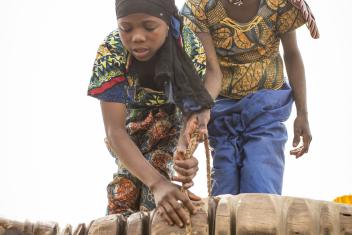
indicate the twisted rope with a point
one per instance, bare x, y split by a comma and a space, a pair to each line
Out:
307, 16
189, 151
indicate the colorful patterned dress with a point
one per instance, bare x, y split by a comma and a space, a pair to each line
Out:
246, 129
248, 52
151, 121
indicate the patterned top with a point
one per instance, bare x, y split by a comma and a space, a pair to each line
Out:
112, 77
248, 52
151, 119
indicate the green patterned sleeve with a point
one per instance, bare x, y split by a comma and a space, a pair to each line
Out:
108, 75
195, 50
195, 15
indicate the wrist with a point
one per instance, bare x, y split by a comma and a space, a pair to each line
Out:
156, 183
302, 113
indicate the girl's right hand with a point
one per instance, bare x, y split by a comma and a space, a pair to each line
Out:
172, 203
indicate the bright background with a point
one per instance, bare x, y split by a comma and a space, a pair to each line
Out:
53, 162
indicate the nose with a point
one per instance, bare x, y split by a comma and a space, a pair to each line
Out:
138, 37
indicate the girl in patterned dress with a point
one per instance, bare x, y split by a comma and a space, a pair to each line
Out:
246, 129
147, 75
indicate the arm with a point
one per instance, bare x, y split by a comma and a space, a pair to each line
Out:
213, 74
212, 83
296, 76
165, 193
124, 147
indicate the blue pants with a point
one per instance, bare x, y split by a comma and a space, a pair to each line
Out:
248, 139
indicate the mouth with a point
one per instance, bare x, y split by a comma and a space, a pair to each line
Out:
140, 53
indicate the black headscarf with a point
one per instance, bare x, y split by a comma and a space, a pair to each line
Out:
174, 69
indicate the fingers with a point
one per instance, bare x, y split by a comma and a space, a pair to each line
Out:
191, 126
188, 204
181, 212
296, 138
174, 209
172, 212
184, 180
297, 152
161, 211
193, 197
202, 126
180, 152
203, 119
187, 170
306, 139
187, 163
188, 185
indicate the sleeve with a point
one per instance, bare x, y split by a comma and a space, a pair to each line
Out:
292, 14
108, 79
194, 50
195, 15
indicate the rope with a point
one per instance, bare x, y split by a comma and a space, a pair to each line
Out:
189, 151
207, 154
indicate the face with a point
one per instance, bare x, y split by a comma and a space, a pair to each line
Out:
142, 34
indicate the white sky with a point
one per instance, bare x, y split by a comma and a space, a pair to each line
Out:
53, 162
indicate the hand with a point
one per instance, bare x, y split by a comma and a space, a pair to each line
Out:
185, 168
302, 136
197, 121
170, 201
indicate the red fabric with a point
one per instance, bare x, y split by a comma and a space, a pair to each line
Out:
106, 85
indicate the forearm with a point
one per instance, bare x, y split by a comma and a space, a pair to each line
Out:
213, 82
296, 76
132, 158
213, 74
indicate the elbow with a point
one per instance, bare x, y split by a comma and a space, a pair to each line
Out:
112, 140
113, 134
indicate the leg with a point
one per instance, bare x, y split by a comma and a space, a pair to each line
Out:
123, 195
264, 160
225, 175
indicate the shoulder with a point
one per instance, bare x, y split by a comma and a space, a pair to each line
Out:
191, 42
112, 46
194, 49
199, 6
277, 4
109, 69
111, 57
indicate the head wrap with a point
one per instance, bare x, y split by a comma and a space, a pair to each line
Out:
174, 70
163, 9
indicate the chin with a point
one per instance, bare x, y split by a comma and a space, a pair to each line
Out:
145, 58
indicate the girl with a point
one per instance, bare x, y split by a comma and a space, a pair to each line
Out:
144, 73
246, 129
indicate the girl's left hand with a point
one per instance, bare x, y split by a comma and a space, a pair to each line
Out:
186, 168
302, 136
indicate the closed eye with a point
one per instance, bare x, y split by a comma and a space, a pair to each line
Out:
125, 29
150, 25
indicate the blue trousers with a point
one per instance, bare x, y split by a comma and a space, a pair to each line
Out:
248, 139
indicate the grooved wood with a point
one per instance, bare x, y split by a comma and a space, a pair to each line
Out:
244, 214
